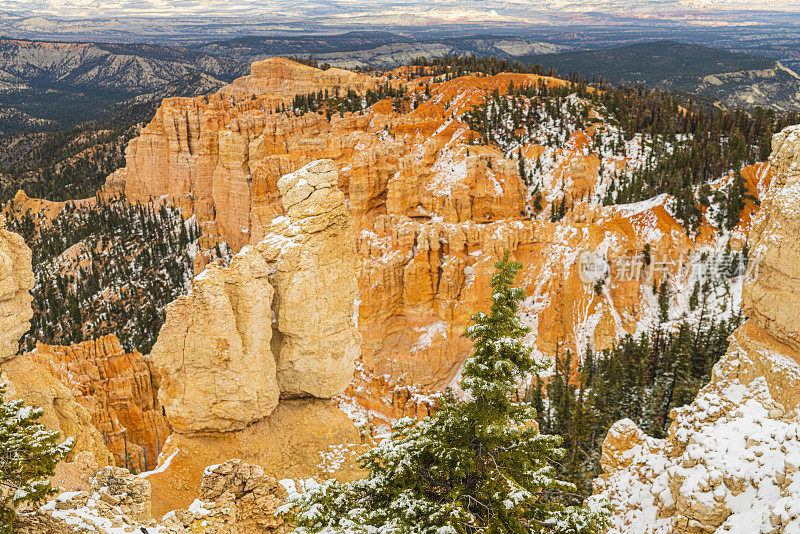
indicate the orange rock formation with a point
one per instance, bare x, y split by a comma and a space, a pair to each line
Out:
431, 211
119, 391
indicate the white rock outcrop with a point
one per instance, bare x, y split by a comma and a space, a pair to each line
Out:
278, 320
312, 253
24, 377
213, 352
16, 281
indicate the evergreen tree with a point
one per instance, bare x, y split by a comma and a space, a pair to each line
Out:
478, 465
28, 455
642, 378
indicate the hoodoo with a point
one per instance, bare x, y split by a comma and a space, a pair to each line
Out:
277, 323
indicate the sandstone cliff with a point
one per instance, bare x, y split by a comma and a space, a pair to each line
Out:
277, 321
16, 280
312, 256
278, 76
213, 352
731, 461
33, 382
24, 377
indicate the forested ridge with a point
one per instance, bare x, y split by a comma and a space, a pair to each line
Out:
688, 145
109, 268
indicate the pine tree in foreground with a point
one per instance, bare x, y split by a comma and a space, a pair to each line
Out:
28, 455
475, 466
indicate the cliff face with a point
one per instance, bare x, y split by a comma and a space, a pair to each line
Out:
731, 461
214, 351
431, 211
771, 302
16, 280
313, 258
33, 382
119, 391
277, 323
281, 77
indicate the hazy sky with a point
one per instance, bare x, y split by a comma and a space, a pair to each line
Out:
491, 9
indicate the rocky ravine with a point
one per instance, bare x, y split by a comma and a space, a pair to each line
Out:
428, 226
731, 461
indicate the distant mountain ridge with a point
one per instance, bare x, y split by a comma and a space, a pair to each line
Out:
376, 49
58, 84
121, 67
724, 78
46, 84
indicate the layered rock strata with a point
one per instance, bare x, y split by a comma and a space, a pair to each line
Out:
119, 390
213, 352
731, 460
33, 382
313, 261
278, 77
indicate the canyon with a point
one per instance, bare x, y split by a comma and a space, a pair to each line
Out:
431, 210
364, 241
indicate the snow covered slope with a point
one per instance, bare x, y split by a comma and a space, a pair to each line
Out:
731, 461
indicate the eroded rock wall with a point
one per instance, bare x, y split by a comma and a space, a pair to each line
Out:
120, 392
278, 76
16, 280
278, 321
313, 260
213, 353
24, 376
